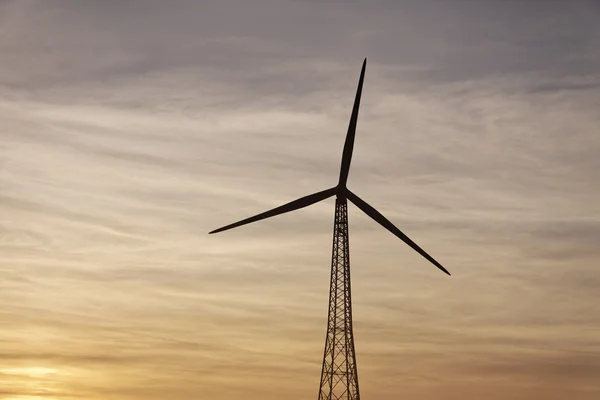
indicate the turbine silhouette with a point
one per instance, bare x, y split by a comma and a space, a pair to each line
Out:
339, 377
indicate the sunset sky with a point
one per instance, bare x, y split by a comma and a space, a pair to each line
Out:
130, 129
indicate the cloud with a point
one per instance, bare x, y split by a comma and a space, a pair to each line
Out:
130, 132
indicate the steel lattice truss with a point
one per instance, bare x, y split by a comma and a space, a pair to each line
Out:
339, 378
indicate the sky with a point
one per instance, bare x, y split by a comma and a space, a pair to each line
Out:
130, 129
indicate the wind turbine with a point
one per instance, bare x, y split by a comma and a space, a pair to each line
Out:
339, 377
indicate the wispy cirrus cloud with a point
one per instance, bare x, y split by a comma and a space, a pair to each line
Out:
125, 139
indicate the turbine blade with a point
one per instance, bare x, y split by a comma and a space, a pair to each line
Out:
291, 206
349, 144
383, 221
